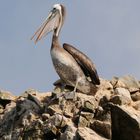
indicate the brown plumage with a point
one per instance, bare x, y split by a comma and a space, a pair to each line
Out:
72, 66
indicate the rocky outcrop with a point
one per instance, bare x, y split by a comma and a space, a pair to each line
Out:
112, 113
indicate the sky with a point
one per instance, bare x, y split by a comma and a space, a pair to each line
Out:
106, 31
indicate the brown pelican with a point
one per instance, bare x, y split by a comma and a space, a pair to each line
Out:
72, 66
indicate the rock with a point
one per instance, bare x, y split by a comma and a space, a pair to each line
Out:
35, 100
116, 82
33, 131
45, 116
123, 92
125, 123
128, 82
105, 85
7, 123
28, 118
53, 125
29, 91
24, 105
67, 108
83, 122
69, 134
70, 109
135, 96
112, 113
9, 107
1, 109
88, 106
137, 105
102, 114
103, 128
41, 97
6, 97
88, 116
52, 109
57, 120
103, 96
85, 133
60, 90
86, 102
121, 96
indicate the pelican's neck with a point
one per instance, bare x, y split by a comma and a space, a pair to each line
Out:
55, 40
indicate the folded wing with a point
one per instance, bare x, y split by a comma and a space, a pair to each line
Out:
85, 63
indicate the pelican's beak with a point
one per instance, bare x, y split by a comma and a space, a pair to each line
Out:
49, 25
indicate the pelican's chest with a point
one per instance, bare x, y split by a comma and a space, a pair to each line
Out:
61, 57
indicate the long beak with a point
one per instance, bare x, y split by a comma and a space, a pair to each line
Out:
49, 25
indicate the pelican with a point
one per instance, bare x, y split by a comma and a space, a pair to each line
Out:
72, 66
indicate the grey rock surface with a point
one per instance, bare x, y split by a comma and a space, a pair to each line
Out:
112, 113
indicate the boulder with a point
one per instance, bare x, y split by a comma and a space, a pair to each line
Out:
136, 96
6, 97
129, 82
125, 122
85, 133
103, 128
121, 96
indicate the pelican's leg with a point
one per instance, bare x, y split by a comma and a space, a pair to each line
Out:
71, 95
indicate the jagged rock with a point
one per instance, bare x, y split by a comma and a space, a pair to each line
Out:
9, 107
105, 84
54, 108
85, 133
28, 117
24, 105
58, 120
123, 92
103, 128
41, 97
53, 125
103, 114
103, 96
29, 91
88, 116
135, 96
45, 116
125, 123
52, 116
86, 102
128, 82
33, 131
69, 134
6, 97
116, 82
83, 122
70, 109
60, 90
121, 96
137, 105
7, 124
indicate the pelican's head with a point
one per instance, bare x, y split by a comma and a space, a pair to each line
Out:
53, 22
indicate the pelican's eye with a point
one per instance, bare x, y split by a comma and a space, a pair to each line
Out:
54, 9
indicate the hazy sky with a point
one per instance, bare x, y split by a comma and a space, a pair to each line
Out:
108, 31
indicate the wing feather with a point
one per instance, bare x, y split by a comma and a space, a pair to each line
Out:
86, 64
